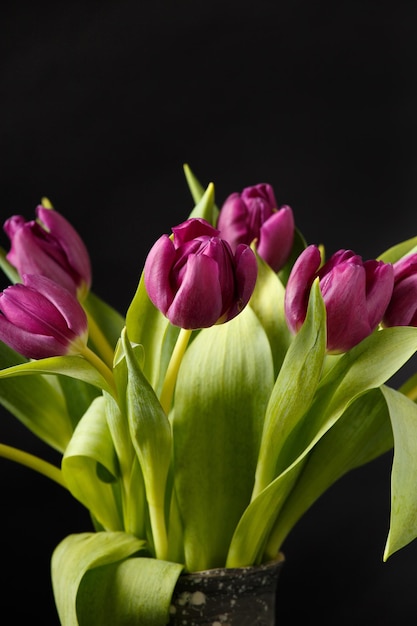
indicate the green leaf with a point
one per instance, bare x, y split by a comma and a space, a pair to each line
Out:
75, 556
8, 269
206, 208
204, 199
249, 539
146, 325
74, 366
117, 409
89, 457
294, 389
362, 434
133, 500
77, 393
152, 439
134, 592
396, 252
223, 387
268, 303
367, 365
135, 514
194, 185
37, 402
409, 387
109, 321
403, 522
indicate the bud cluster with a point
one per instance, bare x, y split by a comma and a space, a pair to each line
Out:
42, 316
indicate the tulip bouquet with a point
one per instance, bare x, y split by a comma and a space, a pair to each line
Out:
248, 374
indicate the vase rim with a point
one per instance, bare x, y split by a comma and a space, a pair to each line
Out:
230, 571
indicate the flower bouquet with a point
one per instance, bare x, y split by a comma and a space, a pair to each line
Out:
247, 376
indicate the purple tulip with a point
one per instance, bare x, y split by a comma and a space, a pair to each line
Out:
195, 279
51, 247
356, 294
402, 309
253, 215
39, 318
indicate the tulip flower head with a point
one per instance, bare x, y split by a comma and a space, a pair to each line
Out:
39, 319
402, 309
253, 215
51, 247
355, 293
195, 279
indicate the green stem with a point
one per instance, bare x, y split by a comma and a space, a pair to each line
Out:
173, 367
99, 340
409, 388
260, 481
100, 365
412, 393
33, 462
274, 543
175, 532
159, 533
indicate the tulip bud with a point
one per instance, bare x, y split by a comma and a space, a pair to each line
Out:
39, 318
402, 309
253, 215
355, 294
195, 279
51, 247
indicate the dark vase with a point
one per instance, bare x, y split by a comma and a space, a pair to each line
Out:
242, 596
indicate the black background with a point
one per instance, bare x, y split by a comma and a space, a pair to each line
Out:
101, 103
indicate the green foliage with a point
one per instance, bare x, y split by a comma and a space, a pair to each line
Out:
203, 449
91, 447
403, 523
222, 391
204, 199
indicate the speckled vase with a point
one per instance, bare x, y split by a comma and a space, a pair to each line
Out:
242, 596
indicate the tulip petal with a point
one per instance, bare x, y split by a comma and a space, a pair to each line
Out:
232, 222
246, 275
69, 240
298, 286
344, 294
29, 257
402, 308
355, 293
49, 246
263, 192
253, 216
198, 301
30, 310
406, 266
192, 228
194, 279
65, 303
157, 273
276, 238
33, 346
379, 287
40, 318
